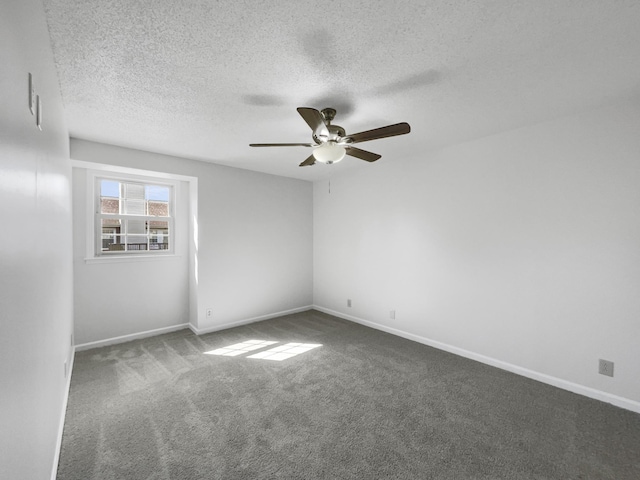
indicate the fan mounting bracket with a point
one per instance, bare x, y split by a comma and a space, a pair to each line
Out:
328, 114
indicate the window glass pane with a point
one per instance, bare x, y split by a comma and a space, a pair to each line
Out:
133, 191
158, 235
158, 209
136, 226
109, 205
127, 203
133, 199
157, 192
133, 207
111, 223
158, 225
116, 246
136, 242
109, 196
110, 234
110, 188
157, 200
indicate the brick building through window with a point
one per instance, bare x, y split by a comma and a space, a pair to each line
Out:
134, 217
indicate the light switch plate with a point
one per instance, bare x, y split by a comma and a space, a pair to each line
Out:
32, 95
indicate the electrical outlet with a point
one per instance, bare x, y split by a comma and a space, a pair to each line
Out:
209, 312
605, 367
392, 314
349, 302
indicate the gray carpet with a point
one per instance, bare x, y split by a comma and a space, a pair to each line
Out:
364, 405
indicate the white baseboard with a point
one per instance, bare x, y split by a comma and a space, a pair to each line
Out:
193, 328
132, 336
63, 416
237, 323
621, 402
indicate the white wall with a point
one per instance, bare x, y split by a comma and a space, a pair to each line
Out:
255, 237
521, 249
118, 298
35, 254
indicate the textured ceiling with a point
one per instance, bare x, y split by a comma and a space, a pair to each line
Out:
202, 79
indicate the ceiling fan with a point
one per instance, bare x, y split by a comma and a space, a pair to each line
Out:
331, 143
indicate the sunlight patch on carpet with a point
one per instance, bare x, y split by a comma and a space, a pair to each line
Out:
277, 354
240, 348
285, 351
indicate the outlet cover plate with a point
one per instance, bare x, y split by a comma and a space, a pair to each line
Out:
605, 367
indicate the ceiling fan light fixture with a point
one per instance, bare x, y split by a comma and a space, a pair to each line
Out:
329, 153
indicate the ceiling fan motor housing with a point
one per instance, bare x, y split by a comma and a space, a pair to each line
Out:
336, 134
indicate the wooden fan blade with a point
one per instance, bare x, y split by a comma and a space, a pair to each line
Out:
308, 162
362, 154
315, 120
281, 145
382, 132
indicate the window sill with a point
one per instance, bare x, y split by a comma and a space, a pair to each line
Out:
130, 258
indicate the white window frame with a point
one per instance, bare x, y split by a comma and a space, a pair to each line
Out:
94, 223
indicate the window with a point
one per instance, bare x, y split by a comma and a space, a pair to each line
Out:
133, 217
